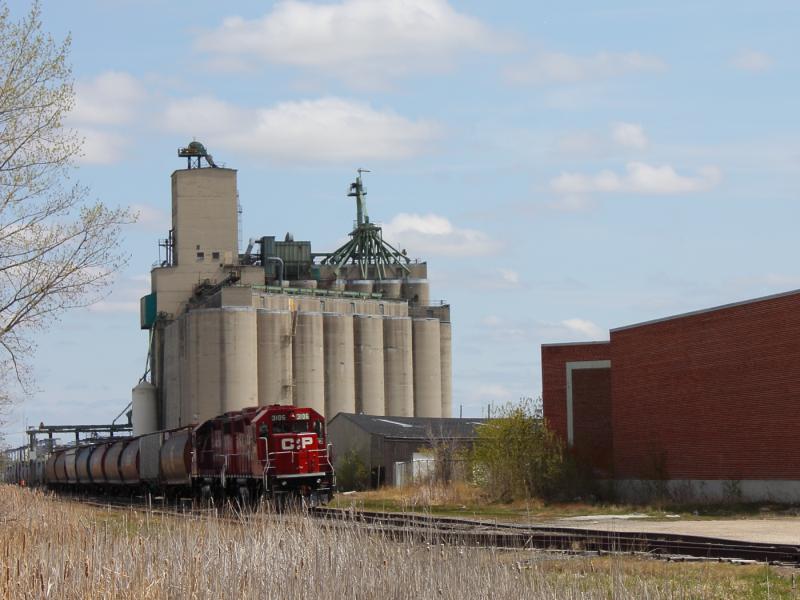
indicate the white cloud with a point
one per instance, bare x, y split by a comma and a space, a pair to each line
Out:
491, 321
579, 142
361, 41
306, 131
107, 306
752, 60
102, 105
100, 147
111, 98
509, 276
571, 203
494, 391
621, 135
125, 296
569, 330
151, 217
629, 135
434, 235
639, 178
557, 67
585, 328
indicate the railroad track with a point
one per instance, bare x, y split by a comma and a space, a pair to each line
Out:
510, 535
436, 530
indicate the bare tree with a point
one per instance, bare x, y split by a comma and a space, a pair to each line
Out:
58, 249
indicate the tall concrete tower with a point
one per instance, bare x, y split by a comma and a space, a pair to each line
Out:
204, 218
203, 244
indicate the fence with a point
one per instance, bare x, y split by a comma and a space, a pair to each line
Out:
427, 469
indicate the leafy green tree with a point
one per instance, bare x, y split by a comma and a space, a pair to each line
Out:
58, 248
516, 456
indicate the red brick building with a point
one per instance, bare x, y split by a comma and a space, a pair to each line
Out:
705, 405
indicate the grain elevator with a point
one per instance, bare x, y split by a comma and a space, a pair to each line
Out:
352, 330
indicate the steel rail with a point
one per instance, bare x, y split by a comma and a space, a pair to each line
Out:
451, 529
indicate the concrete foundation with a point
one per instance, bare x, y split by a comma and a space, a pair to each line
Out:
712, 491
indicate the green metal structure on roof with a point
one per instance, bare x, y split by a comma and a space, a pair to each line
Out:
366, 247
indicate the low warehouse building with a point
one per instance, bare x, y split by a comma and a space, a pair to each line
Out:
702, 406
379, 443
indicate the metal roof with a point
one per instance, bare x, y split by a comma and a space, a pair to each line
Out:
418, 428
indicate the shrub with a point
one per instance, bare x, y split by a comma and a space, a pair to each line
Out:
352, 473
516, 456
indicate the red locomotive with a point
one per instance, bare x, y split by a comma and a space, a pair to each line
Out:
274, 451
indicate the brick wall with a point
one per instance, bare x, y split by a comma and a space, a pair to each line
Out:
714, 395
591, 400
591, 420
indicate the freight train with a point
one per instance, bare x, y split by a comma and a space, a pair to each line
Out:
275, 452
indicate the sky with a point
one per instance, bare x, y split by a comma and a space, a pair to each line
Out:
564, 167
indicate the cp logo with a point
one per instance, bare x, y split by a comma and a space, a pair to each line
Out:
296, 443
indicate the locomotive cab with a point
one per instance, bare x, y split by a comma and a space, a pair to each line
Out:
294, 453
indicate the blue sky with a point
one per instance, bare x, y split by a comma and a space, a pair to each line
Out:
563, 169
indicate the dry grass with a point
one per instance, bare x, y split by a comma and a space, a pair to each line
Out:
56, 549
420, 497
468, 500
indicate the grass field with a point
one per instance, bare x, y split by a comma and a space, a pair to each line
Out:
51, 548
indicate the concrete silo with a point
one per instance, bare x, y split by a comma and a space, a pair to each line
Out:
308, 361
204, 372
446, 351
363, 286
340, 392
398, 367
368, 339
239, 365
171, 393
304, 284
274, 357
145, 408
417, 291
390, 288
220, 360
427, 368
